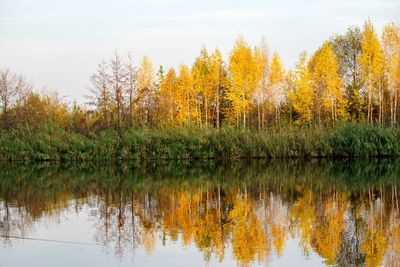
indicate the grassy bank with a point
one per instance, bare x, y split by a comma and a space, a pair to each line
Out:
345, 140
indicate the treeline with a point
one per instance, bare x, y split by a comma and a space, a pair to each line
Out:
353, 76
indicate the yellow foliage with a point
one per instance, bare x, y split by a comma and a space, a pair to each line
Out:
248, 236
374, 247
186, 98
329, 229
327, 84
302, 96
371, 63
167, 98
244, 81
276, 80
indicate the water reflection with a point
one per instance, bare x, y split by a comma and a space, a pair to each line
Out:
346, 212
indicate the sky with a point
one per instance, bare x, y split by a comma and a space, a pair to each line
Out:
57, 44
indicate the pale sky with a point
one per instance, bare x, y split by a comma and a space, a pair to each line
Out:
57, 44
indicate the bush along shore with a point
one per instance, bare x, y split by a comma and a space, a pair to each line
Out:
49, 143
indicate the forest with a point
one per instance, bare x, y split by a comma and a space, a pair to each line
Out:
340, 101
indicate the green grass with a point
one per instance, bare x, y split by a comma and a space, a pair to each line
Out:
341, 141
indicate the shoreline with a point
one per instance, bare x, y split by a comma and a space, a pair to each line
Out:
342, 141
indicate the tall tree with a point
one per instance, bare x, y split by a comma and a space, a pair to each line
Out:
244, 80
302, 96
219, 82
13, 87
327, 84
391, 49
261, 58
276, 80
371, 62
167, 105
201, 82
146, 89
347, 48
117, 79
131, 90
186, 98
100, 93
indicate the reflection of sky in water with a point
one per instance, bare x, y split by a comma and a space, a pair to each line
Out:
175, 214
78, 227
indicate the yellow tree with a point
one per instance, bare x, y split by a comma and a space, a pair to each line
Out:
276, 79
301, 97
146, 88
327, 84
167, 98
186, 97
243, 74
201, 81
218, 78
391, 50
371, 63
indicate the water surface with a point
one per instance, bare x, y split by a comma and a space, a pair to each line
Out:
275, 213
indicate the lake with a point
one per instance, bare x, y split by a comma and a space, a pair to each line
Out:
207, 213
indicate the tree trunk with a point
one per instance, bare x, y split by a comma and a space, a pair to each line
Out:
395, 108
217, 109
206, 110
259, 115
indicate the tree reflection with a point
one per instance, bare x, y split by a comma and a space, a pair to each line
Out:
251, 209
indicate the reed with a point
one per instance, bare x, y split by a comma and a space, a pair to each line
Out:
340, 141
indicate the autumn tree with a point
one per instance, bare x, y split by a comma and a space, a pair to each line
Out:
100, 93
209, 81
186, 98
146, 90
244, 81
117, 80
159, 77
261, 75
371, 62
302, 96
347, 48
276, 80
38, 109
131, 89
391, 50
327, 84
13, 88
167, 106
219, 82
202, 84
